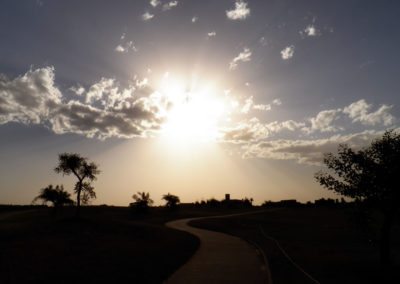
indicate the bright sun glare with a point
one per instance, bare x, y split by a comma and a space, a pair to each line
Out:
195, 113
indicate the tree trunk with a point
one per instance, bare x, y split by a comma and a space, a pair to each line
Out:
78, 200
385, 239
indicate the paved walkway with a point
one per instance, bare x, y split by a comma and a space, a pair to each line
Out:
221, 258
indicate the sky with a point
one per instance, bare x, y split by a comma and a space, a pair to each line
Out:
195, 98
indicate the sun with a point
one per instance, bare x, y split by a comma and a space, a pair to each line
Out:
196, 110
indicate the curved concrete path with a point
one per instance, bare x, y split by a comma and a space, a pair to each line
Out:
221, 258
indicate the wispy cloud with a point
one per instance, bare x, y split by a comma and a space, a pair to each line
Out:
249, 105
246, 131
303, 151
310, 31
77, 90
243, 56
126, 47
287, 52
170, 5
147, 16
155, 3
195, 19
240, 12
211, 34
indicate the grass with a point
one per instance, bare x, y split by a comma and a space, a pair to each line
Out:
107, 245
325, 242
38, 247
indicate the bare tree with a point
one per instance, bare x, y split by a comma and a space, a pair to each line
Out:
85, 172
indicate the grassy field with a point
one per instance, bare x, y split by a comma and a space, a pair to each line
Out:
324, 242
100, 248
107, 245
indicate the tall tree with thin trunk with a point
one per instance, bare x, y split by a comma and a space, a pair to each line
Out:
83, 170
372, 176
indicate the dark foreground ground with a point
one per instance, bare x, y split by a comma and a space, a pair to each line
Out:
112, 245
330, 244
106, 245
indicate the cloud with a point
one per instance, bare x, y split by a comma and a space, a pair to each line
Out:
170, 5
324, 119
155, 3
243, 56
106, 109
287, 52
240, 12
28, 98
211, 34
290, 125
262, 107
306, 151
141, 83
147, 16
135, 119
310, 31
195, 19
126, 47
119, 48
277, 102
252, 130
359, 112
77, 90
244, 132
248, 104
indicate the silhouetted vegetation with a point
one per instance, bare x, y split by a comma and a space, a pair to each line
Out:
142, 202
226, 203
55, 195
371, 176
84, 171
171, 201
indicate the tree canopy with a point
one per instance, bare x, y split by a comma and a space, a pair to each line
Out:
83, 170
171, 201
370, 175
142, 201
55, 195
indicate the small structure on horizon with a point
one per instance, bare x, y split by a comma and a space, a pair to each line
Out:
227, 197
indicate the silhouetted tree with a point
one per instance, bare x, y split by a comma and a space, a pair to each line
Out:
85, 172
171, 201
55, 195
142, 201
370, 175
